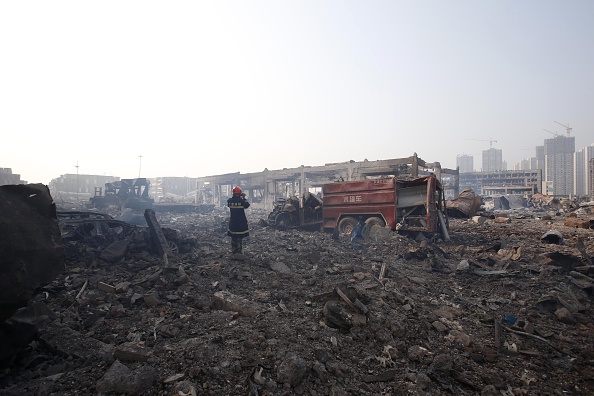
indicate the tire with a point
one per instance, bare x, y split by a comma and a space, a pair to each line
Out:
346, 225
271, 218
372, 221
283, 222
173, 247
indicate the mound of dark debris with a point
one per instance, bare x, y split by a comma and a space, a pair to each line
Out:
497, 310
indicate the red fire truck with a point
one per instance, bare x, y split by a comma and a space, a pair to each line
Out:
404, 205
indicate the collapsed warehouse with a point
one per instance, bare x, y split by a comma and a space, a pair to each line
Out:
266, 187
95, 305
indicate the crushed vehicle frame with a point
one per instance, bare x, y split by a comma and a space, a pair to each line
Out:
104, 228
294, 212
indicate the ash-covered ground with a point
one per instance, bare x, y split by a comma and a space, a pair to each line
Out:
497, 310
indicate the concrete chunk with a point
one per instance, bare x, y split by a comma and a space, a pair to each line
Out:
104, 287
132, 352
115, 252
479, 219
152, 299
229, 302
279, 267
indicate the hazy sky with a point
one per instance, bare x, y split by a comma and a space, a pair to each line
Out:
209, 87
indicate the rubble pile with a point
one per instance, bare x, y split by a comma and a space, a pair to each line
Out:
497, 310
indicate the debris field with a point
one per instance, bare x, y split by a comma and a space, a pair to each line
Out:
503, 308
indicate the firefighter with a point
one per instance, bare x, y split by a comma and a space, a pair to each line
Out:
357, 239
238, 225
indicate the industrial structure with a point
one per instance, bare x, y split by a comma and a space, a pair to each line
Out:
502, 182
264, 188
174, 188
79, 187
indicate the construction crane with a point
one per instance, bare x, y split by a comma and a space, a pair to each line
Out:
552, 133
567, 128
491, 141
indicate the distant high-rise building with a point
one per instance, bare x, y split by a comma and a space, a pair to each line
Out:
534, 163
493, 160
526, 164
581, 163
558, 169
592, 179
465, 163
540, 162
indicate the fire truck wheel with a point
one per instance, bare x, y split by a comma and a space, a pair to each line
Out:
346, 225
374, 221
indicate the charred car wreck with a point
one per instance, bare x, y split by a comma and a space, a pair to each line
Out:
293, 212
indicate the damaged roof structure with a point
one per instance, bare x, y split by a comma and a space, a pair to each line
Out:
267, 186
503, 307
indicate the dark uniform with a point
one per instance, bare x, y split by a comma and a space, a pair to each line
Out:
238, 225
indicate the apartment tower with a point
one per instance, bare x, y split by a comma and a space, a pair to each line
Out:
492, 160
558, 169
581, 163
465, 163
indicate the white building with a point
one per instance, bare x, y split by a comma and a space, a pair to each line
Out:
592, 179
558, 170
465, 163
581, 176
526, 164
493, 160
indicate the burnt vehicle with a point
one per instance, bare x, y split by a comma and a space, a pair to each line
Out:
293, 212
408, 206
99, 230
131, 193
77, 215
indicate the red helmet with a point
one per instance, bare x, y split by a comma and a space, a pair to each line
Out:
236, 190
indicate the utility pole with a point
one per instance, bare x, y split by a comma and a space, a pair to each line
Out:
139, 165
76, 180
